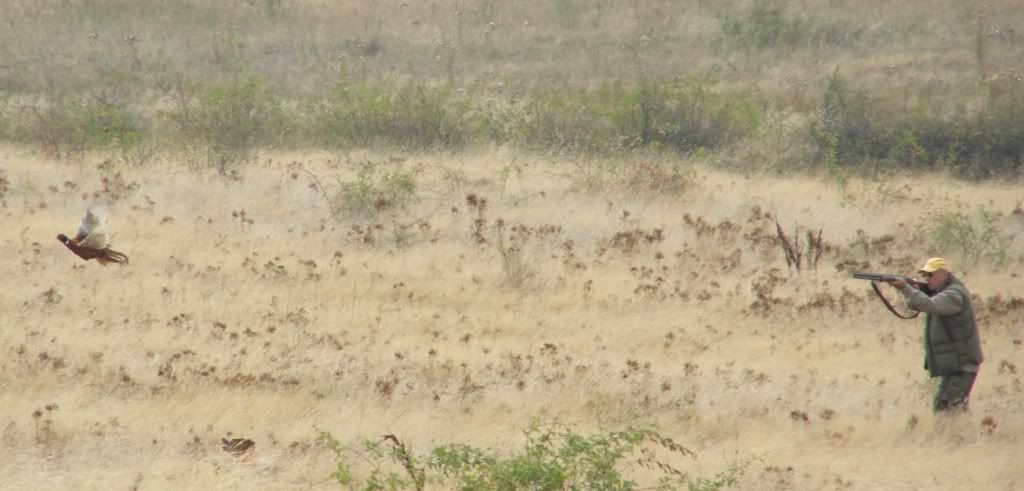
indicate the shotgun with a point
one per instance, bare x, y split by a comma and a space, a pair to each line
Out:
892, 277
883, 277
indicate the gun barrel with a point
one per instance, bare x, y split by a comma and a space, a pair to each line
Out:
881, 277
868, 276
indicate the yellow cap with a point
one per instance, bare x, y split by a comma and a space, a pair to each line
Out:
934, 264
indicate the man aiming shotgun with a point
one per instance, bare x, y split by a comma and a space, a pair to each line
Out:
952, 346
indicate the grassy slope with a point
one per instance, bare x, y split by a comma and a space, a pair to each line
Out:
351, 353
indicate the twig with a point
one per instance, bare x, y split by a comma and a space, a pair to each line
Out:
319, 185
402, 455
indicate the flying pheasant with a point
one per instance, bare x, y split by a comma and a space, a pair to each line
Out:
91, 241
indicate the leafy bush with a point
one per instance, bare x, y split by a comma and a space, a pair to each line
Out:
682, 115
853, 129
554, 457
973, 238
229, 122
69, 125
378, 187
411, 116
685, 115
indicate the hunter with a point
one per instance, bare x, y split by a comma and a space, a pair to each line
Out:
952, 346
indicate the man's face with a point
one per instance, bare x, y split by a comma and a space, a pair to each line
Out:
936, 279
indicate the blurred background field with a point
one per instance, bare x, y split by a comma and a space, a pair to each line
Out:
771, 85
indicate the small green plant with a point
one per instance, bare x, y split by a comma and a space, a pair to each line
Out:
975, 238
377, 188
379, 458
342, 472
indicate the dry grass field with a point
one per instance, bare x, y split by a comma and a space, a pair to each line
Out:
249, 310
450, 220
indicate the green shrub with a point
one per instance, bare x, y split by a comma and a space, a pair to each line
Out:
226, 124
845, 129
684, 116
411, 116
554, 458
974, 238
854, 129
548, 119
69, 125
378, 187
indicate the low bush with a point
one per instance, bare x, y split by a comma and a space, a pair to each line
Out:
69, 125
676, 115
410, 116
554, 457
226, 124
377, 188
975, 238
856, 129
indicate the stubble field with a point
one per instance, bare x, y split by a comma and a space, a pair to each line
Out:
249, 310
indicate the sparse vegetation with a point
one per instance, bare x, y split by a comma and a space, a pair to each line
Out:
412, 116
226, 125
855, 128
68, 125
378, 187
976, 238
443, 221
554, 457
242, 93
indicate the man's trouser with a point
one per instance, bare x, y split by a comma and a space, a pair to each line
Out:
954, 392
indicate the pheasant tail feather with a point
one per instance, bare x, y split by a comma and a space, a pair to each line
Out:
112, 256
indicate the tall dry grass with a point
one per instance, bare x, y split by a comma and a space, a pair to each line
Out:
250, 310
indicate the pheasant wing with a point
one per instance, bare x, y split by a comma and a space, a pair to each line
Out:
92, 233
